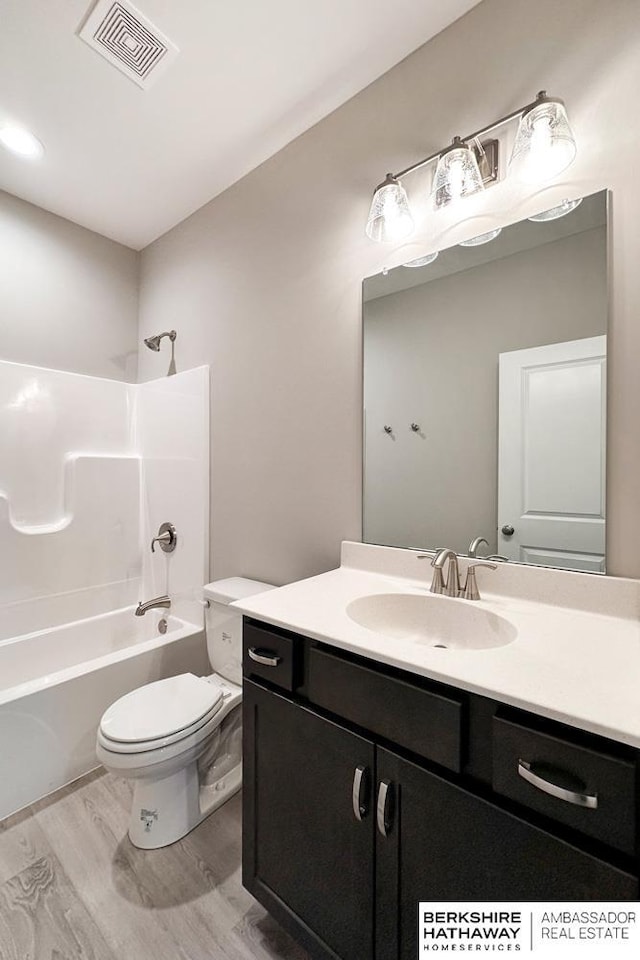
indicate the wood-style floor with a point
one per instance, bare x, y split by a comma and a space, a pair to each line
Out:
72, 886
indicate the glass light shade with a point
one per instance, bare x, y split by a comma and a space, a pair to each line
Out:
457, 174
553, 213
481, 238
421, 261
389, 217
544, 145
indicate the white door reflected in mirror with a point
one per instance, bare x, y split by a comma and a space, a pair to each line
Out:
551, 476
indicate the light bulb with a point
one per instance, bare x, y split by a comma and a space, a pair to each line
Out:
544, 145
456, 178
389, 217
20, 141
457, 174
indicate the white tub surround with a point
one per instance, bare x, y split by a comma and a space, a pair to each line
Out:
89, 469
575, 658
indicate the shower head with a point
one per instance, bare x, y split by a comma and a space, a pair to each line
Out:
154, 342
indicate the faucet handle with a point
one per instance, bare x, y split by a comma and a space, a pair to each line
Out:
167, 538
470, 591
430, 555
437, 583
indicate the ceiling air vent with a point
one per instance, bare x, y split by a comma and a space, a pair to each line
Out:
122, 35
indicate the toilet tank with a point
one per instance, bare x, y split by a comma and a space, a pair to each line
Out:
224, 624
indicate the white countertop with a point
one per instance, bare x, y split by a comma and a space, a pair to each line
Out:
579, 663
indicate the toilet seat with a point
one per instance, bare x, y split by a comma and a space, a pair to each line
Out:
160, 713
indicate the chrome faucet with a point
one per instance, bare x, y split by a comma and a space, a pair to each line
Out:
142, 608
473, 546
450, 587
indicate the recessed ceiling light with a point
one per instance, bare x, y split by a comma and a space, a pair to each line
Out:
20, 141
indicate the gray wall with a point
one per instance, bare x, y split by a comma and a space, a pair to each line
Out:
68, 297
431, 356
264, 282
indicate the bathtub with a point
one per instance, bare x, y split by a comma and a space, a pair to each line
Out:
56, 684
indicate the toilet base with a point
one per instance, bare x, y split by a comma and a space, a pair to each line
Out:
163, 811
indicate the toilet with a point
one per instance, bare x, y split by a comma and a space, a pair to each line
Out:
180, 740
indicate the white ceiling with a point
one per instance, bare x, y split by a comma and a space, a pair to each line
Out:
250, 77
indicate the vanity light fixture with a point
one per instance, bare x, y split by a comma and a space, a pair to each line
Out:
481, 238
20, 141
553, 213
543, 148
421, 261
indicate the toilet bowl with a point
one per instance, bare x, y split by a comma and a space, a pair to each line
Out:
179, 740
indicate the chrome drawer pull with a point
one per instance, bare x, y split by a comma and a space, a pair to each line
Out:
359, 784
383, 815
570, 796
264, 657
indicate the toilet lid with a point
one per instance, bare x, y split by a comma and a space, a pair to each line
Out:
161, 708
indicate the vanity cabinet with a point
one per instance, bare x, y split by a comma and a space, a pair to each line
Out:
352, 815
446, 843
305, 851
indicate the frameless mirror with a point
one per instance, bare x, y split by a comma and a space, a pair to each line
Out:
484, 395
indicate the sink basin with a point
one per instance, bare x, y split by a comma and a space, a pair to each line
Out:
432, 620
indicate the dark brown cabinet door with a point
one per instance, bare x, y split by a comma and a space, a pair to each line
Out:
308, 835
444, 843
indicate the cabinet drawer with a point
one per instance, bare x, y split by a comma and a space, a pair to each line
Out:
425, 722
270, 655
588, 789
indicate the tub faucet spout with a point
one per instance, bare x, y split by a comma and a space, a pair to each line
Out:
142, 608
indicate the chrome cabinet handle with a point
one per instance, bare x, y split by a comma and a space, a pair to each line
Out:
360, 781
383, 809
264, 657
589, 800
507, 530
